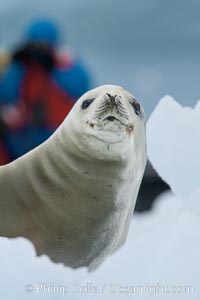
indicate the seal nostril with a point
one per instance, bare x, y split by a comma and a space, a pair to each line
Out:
111, 98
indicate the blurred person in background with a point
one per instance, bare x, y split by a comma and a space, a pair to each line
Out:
4, 157
37, 90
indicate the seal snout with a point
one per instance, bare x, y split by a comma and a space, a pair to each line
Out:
111, 108
112, 99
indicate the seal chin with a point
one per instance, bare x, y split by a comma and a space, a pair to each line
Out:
112, 132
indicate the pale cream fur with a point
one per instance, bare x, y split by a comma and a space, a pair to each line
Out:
74, 195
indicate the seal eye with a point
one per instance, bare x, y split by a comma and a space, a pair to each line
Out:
136, 107
85, 104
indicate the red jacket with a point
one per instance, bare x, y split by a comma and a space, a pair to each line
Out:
40, 94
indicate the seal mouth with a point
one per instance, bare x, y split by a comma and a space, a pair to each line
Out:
107, 121
129, 127
111, 119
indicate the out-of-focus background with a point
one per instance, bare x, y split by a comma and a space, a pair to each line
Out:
151, 48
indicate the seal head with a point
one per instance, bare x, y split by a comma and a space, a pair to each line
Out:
108, 119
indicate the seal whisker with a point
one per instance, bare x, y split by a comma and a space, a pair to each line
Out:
103, 104
121, 106
122, 111
99, 110
123, 116
100, 113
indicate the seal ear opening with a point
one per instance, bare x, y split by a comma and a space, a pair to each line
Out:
86, 103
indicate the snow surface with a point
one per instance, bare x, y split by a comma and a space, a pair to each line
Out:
161, 255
